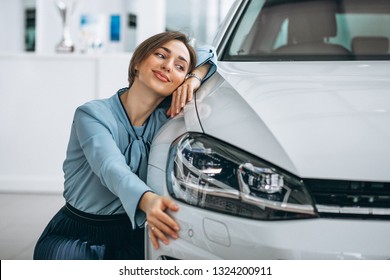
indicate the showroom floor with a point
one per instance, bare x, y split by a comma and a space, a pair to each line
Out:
22, 220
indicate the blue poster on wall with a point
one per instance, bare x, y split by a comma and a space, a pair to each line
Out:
115, 27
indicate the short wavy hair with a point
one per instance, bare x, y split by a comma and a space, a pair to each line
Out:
151, 44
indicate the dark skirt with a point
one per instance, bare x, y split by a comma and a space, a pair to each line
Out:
75, 235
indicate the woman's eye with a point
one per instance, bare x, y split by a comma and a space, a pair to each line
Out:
160, 55
180, 67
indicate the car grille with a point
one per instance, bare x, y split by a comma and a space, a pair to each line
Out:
334, 198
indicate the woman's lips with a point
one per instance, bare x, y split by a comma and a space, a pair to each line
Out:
161, 76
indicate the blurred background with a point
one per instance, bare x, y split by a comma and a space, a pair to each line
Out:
113, 25
54, 56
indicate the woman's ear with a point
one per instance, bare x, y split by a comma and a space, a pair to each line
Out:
136, 70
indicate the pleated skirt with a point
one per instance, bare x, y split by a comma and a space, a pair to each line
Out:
75, 235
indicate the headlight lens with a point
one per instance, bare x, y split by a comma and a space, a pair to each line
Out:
210, 174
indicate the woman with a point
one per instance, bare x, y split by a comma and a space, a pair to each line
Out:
107, 199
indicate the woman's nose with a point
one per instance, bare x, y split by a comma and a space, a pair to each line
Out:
167, 65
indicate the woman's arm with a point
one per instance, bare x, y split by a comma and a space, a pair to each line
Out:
93, 125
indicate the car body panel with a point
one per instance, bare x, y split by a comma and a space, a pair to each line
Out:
321, 114
226, 115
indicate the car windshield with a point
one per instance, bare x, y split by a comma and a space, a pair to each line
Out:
277, 30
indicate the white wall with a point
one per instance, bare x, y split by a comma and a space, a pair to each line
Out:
11, 25
150, 17
39, 94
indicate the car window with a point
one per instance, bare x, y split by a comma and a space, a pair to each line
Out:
281, 38
246, 24
311, 30
354, 25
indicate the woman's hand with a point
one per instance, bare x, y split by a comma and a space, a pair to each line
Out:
182, 95
161, 225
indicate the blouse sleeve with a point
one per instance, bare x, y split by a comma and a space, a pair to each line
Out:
95, 127
207, 54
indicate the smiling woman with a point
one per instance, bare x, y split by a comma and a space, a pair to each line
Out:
107, 199
157, 68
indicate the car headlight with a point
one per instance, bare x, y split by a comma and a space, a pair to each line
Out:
207, 173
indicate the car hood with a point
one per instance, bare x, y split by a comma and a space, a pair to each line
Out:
328, 120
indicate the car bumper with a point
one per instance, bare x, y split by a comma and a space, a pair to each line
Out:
204, 236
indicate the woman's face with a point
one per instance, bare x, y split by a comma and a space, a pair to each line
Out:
165, 69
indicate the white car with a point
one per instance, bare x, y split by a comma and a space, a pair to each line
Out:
285, 151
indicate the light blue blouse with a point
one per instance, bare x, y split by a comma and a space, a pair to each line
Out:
106, 160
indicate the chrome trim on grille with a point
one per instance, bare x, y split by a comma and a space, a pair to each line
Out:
352, 210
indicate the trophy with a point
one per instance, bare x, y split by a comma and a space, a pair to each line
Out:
66, 45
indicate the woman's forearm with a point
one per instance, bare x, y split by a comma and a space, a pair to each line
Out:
200, 71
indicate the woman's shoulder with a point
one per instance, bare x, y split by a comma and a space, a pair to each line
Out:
94, 106
99, 109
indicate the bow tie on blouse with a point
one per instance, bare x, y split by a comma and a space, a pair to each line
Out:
137, 150
136, 153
